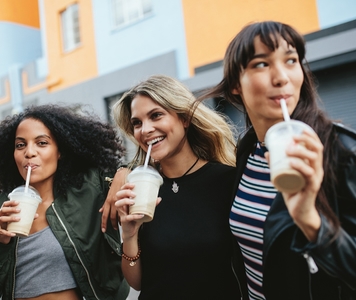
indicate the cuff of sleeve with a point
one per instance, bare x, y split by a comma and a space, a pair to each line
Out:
326, 235
4, 248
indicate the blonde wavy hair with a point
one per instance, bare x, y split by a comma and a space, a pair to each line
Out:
209, 134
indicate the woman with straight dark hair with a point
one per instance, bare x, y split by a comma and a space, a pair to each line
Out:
298, 245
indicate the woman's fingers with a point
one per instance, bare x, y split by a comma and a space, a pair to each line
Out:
125, 199
105, 210
130, 223
122, 206
4, 232
9, 207
109, 210
311, 145
131, 218
309, 149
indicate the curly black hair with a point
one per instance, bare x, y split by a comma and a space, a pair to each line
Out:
83, 141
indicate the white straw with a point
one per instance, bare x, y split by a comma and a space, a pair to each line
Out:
28, 178
148, 155
284, 110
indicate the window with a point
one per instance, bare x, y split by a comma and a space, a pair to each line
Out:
70, 27
127, 11
109, 102
131, 148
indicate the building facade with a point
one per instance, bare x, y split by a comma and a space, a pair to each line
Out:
89, 52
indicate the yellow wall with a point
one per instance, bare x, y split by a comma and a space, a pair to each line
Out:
210, 24
79, 64
24, 12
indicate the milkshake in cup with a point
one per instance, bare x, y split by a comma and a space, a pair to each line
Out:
278, 138
28, 199
147, 182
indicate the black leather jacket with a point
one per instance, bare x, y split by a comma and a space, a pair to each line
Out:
289, 259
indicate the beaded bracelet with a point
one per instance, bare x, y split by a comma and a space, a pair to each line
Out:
132, 260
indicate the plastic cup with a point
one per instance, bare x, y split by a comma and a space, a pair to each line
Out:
28, 199
147, 182
278, 138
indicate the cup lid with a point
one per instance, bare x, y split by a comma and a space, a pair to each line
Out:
293, 127
146, 169
31, 191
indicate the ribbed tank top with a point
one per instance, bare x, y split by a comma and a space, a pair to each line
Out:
41, 266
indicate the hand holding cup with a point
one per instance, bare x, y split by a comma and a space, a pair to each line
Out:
28, 200
278, 138
147, 183
7, 211
301, 205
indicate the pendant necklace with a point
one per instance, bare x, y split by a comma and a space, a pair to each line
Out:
175, 187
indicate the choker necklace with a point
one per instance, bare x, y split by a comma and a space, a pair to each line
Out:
175, 187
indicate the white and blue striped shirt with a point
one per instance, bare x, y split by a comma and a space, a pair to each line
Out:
248, 213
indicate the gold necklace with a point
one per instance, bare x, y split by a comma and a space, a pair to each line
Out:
175, 186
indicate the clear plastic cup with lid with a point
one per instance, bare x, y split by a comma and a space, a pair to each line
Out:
147, 182
29, 199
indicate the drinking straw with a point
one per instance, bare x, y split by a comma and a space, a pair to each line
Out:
148, 155
284, 110
27, 178
286, 115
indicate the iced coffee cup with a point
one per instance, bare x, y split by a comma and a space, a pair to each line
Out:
278, 138
28, 199
147, 182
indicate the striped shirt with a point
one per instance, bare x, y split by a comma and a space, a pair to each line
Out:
248, 213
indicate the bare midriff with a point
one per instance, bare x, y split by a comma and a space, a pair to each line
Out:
67, 295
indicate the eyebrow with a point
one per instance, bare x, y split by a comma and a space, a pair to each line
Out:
262, 55
148, 113
37, 137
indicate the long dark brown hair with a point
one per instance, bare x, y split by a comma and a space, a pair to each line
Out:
240, 52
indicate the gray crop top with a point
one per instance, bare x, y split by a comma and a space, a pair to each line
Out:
41, 266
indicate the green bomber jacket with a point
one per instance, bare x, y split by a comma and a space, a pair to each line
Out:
93, 256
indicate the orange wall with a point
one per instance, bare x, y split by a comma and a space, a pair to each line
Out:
79, 64
24, 12
210, 24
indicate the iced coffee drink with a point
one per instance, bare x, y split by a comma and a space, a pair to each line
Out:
28, 199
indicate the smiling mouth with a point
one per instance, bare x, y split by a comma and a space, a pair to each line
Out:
156, 140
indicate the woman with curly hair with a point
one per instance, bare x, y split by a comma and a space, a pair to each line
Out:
66, 255
185, 252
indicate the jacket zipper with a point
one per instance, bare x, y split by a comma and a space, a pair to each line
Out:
14, 278
313, 268
76, 251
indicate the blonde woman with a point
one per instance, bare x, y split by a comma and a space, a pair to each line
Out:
185, 252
